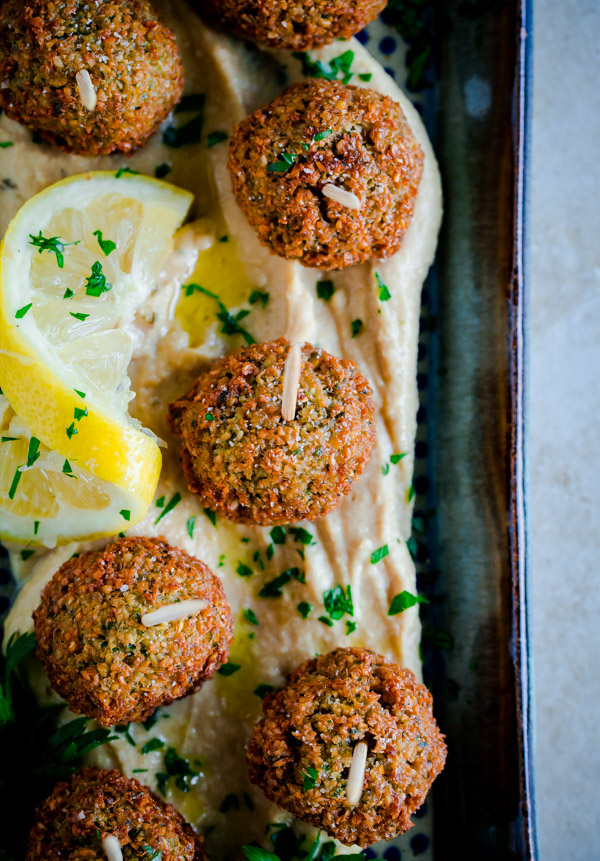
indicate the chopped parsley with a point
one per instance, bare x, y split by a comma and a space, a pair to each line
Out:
403, 601
310, 778
325, 290
262, 690
162, 170
231, 323
304, 609
356, 326
160, 502
384, 293
410, 493
228, 668
51, 244
261, 296
107, 245
22, 311
32, 451
272, 589
175, 500
152, 744
96, 283
15, 483
125, 729
385, 468
79, 316
68, 294
81, 394
269, 552
59, 758
277, 535
6, 144
230, 802
190, 526
79, 414
179, 769
122, 171
322, 135
67, 469
396, 458
250, 615
125, 514
243, 570
337, 66
71, 430
209, 417
326, 621
212, 516
190, 132
379, 554
27, 554
36, 526
287, 159
301, 535
17, 649
365, 76
338, 602
214, 138
350, 627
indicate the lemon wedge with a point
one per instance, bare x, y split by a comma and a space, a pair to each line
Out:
77, 261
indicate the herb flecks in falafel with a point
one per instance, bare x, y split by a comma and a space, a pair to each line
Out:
88, 78
328, 707
328, 200
249, 464
98, 652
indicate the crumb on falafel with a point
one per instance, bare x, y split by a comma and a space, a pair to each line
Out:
293, 24
98, 653
131, 58
321, 133
312, 727
96, 803
243, 460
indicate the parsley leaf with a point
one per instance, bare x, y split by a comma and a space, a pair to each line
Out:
190, 526
122, 171
403, 601
214, 138
384, 293
339, 65
325, 290
250, 615
277, 535
175, 500
272, 589
286, 161
304, 609
262, 690
310, 778
96, 283
212, 516
162, 170
322, 135
228, 668
60, 755
355, 327
107, 245
17, 649
190, 132
261, 296
152, 744
338, 602
179, 769
243, 570
51, 244
379, 554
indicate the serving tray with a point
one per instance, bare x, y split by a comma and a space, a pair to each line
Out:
466, 63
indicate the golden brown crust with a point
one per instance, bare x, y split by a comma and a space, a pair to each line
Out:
130, 54
294, 24
94, 803
327, 706
244, 461
365, 147
97, 653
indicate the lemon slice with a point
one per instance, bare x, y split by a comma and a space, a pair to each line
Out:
76, 263
45, 499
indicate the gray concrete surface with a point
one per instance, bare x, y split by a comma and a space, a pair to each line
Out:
564, 424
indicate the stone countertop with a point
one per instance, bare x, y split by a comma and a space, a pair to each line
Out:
564, 424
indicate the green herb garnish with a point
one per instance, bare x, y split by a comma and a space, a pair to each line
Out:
337, 66
228, 669
152, 744
277, 535
175, 500
71, 430
355, 327
107, 245
230, 802
325, 290
384, 293
162, 170
190, 526
214, 138
272, 589
250, 615
403, 601
396, 458
310, 778
125, 514
262, 690
304, 609
259, 296
287, 159
22, 311
243, 570
67, 469
51, 244
60, 756
96, 283
178, 768
122, 171
379, 554
338, 602
79, 316
17, 649
212, 516
190, 132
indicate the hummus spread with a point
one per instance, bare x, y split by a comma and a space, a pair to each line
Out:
211, 727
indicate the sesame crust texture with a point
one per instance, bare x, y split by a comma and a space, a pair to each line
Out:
244, 461
72, 822
131, 57
293, 24
311, 727
337, 135
99, 655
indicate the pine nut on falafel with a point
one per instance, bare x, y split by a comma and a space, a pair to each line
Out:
100, 636
293, 24
301, 752
97, 805
90, 76
327, 173
244, 461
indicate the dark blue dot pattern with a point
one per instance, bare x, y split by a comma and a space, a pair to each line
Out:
387, 45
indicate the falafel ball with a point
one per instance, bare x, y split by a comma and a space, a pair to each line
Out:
314, 140
243, 460
129, 53
293, 24
301, 750
72, 822
98, 653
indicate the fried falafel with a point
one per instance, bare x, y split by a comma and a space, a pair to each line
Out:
131, 58
243, 460
290, 160
94, 804
301, 751
100, 650
294, 24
